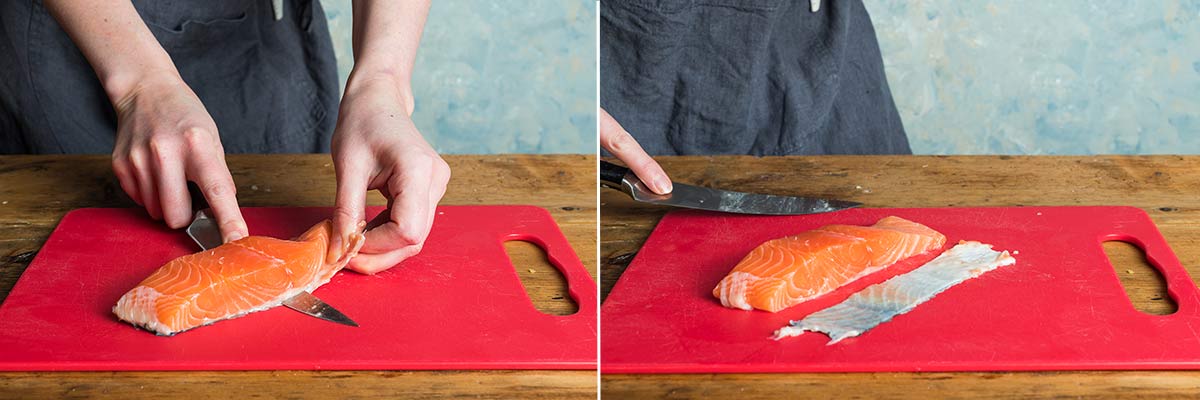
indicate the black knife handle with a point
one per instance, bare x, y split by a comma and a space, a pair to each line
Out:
198, 200
612, 173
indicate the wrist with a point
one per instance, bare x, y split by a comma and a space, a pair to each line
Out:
386, 81
121, 87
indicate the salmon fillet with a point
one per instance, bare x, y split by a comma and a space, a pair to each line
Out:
783, 272
251, 274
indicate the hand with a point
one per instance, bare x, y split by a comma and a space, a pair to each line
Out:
617, 141
165, 138
376, 146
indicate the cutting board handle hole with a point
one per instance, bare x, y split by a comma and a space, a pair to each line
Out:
538, 273
1143, 283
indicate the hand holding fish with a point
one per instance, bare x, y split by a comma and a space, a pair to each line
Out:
376, 146
620, 143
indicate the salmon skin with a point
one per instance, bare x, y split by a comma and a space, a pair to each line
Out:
251, 274
783, 272
881, 302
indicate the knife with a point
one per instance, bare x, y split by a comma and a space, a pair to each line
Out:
207, 234
702, 198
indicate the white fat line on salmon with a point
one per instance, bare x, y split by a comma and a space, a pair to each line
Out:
881, 302
259, 252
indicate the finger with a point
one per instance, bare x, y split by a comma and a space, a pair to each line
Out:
146, 187
621, 144
439, 179
352, 178
410, 215
371, 264
171, 182
127, 179
216, 183
437, 189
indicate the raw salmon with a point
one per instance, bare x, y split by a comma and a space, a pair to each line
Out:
784, 272
251, 274
881, 302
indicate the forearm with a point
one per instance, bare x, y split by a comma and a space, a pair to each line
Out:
116, 42
386, 37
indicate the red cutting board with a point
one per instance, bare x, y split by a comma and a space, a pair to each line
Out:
1061, 306
459, 304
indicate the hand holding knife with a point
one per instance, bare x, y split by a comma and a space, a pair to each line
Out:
689, 196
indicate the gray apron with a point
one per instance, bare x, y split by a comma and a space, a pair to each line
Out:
759, 77
270, 85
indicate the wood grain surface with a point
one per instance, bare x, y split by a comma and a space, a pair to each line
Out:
1167, 187
36, 191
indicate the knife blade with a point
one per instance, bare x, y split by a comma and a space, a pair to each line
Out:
702, 198
205, 232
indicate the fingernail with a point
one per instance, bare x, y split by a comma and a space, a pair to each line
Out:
663, 184
234, 236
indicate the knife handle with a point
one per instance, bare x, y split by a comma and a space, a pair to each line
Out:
612, 173
198, 200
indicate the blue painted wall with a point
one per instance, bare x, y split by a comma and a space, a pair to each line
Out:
497, 76
969, 77
1044, 77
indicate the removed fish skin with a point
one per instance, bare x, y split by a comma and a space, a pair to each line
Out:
783, 272
251, 274
881, 302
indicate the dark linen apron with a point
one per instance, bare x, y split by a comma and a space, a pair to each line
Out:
270, 85
758, 77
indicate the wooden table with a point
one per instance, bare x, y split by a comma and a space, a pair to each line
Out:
1168, 187
36, 191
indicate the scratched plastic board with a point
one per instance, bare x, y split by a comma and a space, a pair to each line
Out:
459, 304
1060, 307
